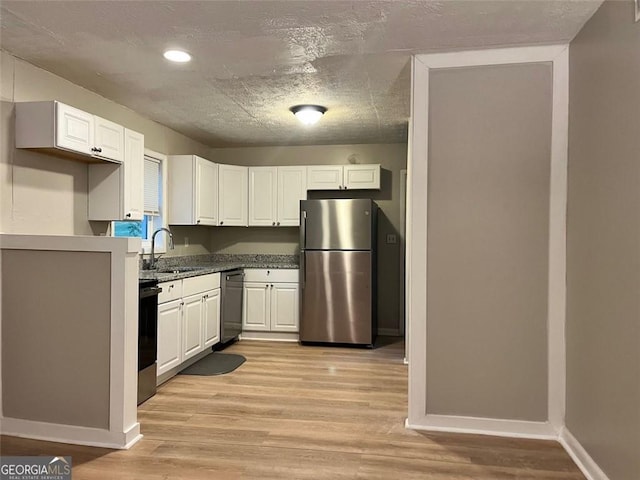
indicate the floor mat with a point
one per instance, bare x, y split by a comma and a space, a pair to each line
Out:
215, 364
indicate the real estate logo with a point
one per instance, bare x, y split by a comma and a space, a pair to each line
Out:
35, 468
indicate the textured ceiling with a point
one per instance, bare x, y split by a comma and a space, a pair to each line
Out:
255, 59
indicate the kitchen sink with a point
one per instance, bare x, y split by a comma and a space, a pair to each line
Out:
181, 269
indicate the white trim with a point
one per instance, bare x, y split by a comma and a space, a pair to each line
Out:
497, 56
403, 238
416, 261
417, 234
579, 455
50, 432
486, 426
557, 284
389, 332
270, 336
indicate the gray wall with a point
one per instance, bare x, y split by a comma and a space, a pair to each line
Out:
40, 381
603, 257
488, 238
392, 157
42, 193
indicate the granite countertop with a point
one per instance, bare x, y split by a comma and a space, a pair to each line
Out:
175, 268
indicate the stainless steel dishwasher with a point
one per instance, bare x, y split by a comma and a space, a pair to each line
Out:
232, 290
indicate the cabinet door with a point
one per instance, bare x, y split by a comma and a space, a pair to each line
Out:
285, 307
233, 195
133, 175
255, 311
206, 194
263, 186
324, 177
108, 139
74, 129
292, 187
211, 317
191, 326
169, 336
361, 177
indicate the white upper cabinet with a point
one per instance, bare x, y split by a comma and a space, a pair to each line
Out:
292, 187
263, 193
116, 190
361, 177
206, 202
133, 175
275, 194
233, 202
193, 190
74, 128
69, 132
108, 139
343, 177
324, 177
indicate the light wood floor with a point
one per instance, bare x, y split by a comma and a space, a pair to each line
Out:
293, 412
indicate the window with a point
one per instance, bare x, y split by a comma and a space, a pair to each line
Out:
153, 206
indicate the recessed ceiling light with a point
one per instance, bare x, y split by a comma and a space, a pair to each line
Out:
178, 56
308, 114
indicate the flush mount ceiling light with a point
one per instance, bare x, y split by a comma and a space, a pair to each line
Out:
178, 56
308, 114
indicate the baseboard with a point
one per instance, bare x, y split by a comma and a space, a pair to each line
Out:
53, 432
271, 336
389, 332
579, 455
484, 426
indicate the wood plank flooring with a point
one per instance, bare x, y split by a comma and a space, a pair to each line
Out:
293, 412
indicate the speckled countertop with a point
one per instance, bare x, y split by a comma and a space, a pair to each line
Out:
194, 265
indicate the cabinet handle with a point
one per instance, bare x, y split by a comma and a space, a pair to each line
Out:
278, 223
266, 286
96, 149
272, 285
128, 215
344, 187
198, 221
221, 223
273, 223
339, 187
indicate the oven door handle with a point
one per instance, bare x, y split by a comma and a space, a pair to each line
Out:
150, 292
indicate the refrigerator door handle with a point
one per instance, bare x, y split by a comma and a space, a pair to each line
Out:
303, 229
303, 271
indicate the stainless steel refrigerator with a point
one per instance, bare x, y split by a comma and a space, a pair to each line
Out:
338, 271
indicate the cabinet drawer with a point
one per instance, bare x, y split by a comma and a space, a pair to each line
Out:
170, 291
202, 283
271, 275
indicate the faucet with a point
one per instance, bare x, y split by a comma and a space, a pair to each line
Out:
152, 260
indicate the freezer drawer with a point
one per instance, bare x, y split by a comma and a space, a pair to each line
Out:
337, 297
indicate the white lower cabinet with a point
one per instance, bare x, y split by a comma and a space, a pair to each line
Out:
255, 312
284, 307
271, 301
188, 320
192, 342
169, 335
211, 317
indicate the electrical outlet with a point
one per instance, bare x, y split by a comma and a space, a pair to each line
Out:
392, 238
